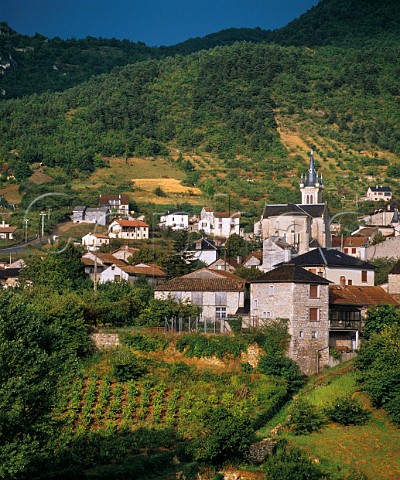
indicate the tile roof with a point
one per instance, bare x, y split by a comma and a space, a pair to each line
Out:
380, 188
183, 284
330, 258
150, 270
131, 223
258, 254
7, 229
112, 199
227, 215
210, 273
290, 273
349, 241
359, 296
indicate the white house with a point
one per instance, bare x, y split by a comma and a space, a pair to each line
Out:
130, 273
220, 294
204, 250
7, 232
128, 229
93, 241
219, 224
124, 253
338, 267
379, 192
175, 220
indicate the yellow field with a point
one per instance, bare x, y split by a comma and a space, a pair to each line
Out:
169, 185
11, 193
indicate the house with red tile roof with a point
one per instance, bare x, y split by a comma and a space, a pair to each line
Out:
220, 294
128, 229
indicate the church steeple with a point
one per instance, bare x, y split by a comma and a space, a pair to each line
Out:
311, 186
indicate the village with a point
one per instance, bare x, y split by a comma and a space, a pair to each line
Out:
306, 272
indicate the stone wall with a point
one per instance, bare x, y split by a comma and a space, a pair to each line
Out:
105, 340
390, 248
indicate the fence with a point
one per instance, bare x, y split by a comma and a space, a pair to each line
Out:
197, 325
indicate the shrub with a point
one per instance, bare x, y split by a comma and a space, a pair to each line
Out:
304, 418
347, 410
223, 436
127, 366
291, 463
145, 343
277, 364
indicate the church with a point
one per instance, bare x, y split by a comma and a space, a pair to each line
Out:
288, 229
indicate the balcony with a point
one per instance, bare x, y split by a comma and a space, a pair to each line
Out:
345, 319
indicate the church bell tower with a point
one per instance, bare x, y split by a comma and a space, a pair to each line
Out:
311, 186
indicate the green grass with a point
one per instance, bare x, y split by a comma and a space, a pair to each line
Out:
372, 450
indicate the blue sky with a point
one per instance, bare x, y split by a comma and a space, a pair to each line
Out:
155, 22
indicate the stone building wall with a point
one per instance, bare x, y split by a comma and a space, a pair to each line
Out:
390, 248
309, 339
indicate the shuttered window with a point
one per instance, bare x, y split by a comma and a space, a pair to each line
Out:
313, 314
314, 291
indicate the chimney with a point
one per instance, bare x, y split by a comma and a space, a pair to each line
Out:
342, 281
288, 254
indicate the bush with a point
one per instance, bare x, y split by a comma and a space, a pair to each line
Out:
304, 418
145, 343
291, 463
127, 366
223, 436
277, 364
347, 410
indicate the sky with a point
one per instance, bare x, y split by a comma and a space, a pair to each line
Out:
154, 22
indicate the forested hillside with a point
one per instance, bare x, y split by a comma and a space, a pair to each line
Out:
225, 104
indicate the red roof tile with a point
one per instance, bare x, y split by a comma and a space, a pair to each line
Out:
359, 296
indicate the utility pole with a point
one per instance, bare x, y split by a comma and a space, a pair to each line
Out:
26, 230
43, 214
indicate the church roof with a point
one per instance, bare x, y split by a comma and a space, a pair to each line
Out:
290, 273
316, 210
312, 177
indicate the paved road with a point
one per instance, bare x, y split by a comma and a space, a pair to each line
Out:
35, 242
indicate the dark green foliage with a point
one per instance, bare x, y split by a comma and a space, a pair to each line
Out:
145, 342
236, 246
159, 192
197, 345
291, 463
127, 366
60, 270
382, 269
304, 418
223, 436
379, 369
347, 410
379, 317
248, 273
157, 311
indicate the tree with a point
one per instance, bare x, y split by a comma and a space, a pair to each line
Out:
33, 357
247, 273
182, 261
236, 246
61, 269
379, 317
383, 266
223, 435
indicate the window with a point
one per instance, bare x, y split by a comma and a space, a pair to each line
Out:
255, 304
220, 313
349, 282
266, 315
314, 293
176, 296
346, 250
301, 334
313, 334
117, 278
364, 275
313, 314
197, 298
271, 290
220, 298
353, 250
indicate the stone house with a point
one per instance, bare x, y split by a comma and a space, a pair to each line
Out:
124, 253
220, 294
302, 297
128, 229
253, 259
226, 264
354, 246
